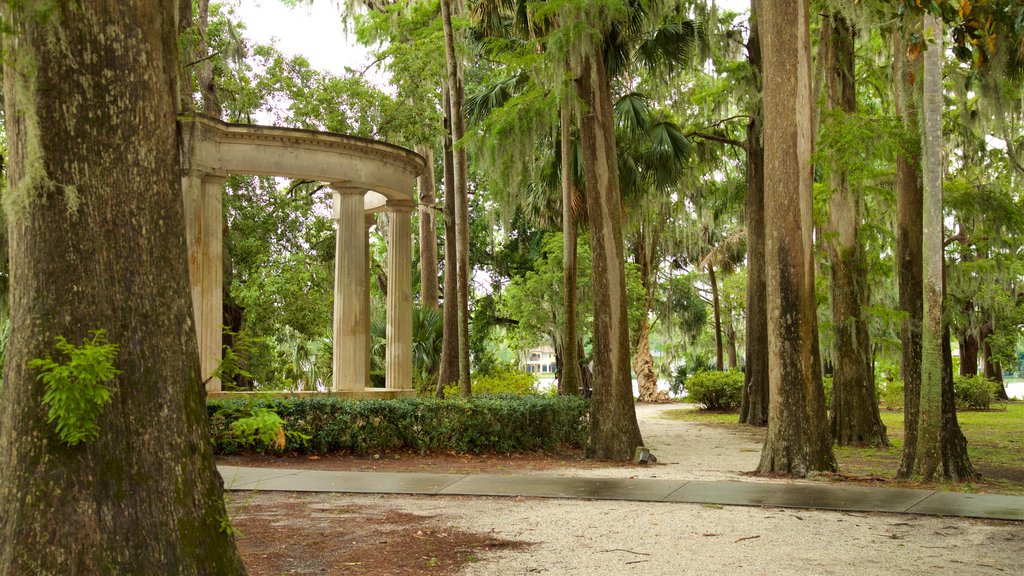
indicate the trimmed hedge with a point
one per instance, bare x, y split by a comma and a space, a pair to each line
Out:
716, 390
480, 424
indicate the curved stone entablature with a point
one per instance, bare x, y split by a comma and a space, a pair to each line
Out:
365, 176
386, 171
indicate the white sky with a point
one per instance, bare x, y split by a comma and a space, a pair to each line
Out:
317, 32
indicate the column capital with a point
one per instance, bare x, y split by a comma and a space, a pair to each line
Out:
370, 219
400, 205
346, 188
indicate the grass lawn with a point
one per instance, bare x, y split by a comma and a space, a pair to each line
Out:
995, 443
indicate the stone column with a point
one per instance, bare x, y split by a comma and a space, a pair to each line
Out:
204, 233
399, 301
370, 220
351, 286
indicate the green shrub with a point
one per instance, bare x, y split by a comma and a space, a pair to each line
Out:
716, 390
480, 424
506, 381
826, 383
77, 386
973, 392
891, 392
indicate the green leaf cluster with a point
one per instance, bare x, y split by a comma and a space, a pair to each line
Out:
78, 386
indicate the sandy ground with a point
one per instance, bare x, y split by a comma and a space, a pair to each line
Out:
621, 538
685, 450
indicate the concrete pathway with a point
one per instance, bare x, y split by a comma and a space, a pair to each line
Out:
781, 495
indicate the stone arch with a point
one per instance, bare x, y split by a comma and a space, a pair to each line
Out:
366, 177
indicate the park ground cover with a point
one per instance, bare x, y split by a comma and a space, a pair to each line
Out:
995, 443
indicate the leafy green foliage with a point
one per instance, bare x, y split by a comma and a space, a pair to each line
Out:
484, 424
973, 392
77, 386
262, 430
716, 390
502, 379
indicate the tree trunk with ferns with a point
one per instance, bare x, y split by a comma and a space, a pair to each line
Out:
614, 432
855, 419
797, 441
96, 243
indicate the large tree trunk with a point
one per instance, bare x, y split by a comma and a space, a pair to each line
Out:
929, 422
716, 306
644, 250
569, 377
455, 95
428, 231
797, 441
614, 432
96, 243
754, 406
956, 464
909, 200
449, 366
855, 419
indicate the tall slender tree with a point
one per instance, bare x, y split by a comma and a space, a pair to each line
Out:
855, 419
95, 224
797, 441
456, 93
754, 405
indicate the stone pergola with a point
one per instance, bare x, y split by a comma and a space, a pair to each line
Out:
366, 177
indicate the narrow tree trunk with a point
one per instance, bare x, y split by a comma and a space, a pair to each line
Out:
730, 345
956, 464
797, 441
929, 422
992, 370
455, 95
855, 419
569, 379
754, 406
428, 231
716, 306
204, 73
909, 198
614, 432
968, 345
96, 237
449, 366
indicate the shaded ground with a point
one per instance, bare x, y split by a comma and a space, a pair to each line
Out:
281, 533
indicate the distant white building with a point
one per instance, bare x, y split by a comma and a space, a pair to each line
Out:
540, 360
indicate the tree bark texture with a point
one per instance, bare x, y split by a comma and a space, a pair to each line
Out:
797, 440
929, 422
754, 405
716, 307
204, 72
855, 419
956, 464
428, 231
730, 345
569, 377
909, 198
96, 225
455, 95
643, 363
614, 432
449, 369
968, 342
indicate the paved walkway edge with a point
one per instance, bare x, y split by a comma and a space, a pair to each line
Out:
729, 493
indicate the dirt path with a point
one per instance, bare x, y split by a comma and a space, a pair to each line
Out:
510, 536
685, 450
